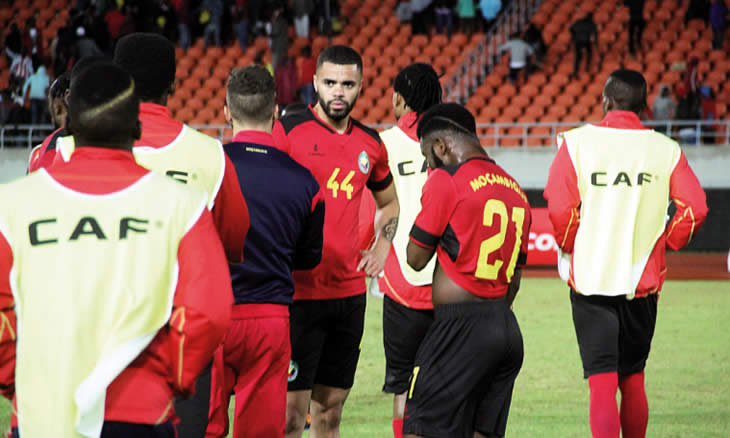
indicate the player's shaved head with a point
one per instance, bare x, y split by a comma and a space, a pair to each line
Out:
448, 135
103, 107
625, 90
251, 94
340, 55
150, 59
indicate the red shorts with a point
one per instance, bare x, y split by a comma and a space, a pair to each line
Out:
253, 364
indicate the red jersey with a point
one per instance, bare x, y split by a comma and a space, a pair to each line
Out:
343, 165
170, 364
47, 152
478, 219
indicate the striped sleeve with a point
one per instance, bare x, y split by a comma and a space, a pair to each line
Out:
438, 202
689, 197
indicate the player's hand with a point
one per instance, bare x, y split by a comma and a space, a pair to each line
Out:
372, 263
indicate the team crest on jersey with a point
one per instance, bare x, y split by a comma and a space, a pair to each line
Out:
363, 162
293, 370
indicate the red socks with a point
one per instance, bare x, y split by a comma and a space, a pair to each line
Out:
634, 407
604, 417
397, 427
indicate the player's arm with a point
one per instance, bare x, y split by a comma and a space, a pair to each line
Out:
308, 252
386, 224
438, 201
202, 305
563, 197
8, 323
230, 214
514, 287
387, 210
687, 193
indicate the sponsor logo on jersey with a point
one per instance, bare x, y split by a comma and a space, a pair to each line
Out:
363, 162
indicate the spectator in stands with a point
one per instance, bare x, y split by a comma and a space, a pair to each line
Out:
212, 14
279, 36
239, 13
585, 36
84, 46
533, 37
718, 20
466, 12
419, 16
286, 79
444, 16
306, 76
259, 60
519, 56
12, 42
636, 24
664, 108
697, 9
182, 10
708, 113
36, 88
114, 20
489, 10
302, 10
21, 68
31, 37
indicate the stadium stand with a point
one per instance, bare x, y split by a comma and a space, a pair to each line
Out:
552, 96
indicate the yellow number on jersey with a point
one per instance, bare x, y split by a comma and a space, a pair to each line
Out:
345, 186
491, 271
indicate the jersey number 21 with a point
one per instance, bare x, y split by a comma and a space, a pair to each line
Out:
492, 208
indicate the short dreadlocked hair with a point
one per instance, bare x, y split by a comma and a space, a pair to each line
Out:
150, 59
103, 106
420, 87
450, 117
251, 94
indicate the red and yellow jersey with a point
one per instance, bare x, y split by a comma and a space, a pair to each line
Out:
608, 191
138, 294
344, 165
478, 219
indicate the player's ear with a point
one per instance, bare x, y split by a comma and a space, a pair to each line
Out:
227, 114
440, 149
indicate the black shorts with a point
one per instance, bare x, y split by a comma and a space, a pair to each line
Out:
325, 342
614, 334
115, 429
403, 331
465, 372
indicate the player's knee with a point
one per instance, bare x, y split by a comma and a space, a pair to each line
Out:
330, 415
295, 420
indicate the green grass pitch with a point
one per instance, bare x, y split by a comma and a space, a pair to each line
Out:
687, 376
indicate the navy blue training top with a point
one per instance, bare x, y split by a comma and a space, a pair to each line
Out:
286, 213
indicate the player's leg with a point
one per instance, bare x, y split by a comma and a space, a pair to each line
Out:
337, 365
596, 324
307, 336
490, 419
262, 377
403, 331
637, 323
221, 384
